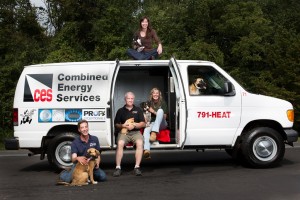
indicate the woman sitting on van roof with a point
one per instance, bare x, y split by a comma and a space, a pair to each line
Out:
142, 42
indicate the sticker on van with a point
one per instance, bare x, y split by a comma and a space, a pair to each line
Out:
71, 115
27, 116
38, 87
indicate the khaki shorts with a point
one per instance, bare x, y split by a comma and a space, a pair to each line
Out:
132, 136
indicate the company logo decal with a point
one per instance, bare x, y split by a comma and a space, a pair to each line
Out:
94, 114
45, 115
51, 115
71, 115
78, 87
27, 116
38, 88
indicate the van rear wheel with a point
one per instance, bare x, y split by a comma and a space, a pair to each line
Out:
60, 150
263, 147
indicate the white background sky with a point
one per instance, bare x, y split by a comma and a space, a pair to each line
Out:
37, 2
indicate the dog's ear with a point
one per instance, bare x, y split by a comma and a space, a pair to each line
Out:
89, 150
97, 152
142, 105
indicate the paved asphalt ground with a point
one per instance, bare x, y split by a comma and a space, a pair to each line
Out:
168, 175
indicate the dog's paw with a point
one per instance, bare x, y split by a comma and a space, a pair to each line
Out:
124, 131
95, 182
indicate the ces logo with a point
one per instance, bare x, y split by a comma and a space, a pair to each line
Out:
38, 88
42, 95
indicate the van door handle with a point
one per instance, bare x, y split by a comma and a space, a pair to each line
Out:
108, 112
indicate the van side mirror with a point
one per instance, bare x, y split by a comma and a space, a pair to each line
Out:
229, 89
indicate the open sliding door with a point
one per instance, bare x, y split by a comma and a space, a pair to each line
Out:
180, 112
111, 109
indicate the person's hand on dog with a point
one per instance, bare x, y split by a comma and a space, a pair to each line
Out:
152, 111
129, 126
82, 159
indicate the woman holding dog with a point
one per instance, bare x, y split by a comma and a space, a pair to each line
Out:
158, 109
142, 42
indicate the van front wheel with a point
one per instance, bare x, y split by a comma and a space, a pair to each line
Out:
60, 150
263, 147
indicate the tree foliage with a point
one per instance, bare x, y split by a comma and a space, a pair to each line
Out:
22, 42
257, 41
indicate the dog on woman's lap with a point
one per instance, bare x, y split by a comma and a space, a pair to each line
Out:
145, 107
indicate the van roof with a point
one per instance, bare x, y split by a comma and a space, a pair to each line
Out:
122, 62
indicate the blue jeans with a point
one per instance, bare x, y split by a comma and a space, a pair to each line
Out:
159, 124
66, 175
143, 55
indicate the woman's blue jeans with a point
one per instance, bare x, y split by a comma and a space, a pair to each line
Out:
143, 55
159, 124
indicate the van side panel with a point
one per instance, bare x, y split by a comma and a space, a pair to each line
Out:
57, 94
213, 118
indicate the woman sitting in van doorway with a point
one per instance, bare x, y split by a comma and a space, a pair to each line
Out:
142, 42
158, 109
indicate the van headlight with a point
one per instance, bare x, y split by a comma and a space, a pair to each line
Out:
290, 115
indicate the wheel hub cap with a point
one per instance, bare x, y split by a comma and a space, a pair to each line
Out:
265, 148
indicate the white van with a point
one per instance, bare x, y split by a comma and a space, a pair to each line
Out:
51, 98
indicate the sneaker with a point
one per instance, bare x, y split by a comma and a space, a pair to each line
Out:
147, 154
153, 136
137, 171
61, 182
155, 143
117, 172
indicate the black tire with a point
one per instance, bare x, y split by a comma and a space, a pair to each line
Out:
229, 151
263, 147
236, 154
49, 158
59, 150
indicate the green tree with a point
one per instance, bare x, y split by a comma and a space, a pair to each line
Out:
22, 42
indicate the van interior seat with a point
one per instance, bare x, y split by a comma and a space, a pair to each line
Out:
162, 136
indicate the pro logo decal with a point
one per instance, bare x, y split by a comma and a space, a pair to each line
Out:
38, 88
95, 115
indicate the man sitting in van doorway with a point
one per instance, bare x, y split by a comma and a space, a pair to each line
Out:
197, 86
131, 134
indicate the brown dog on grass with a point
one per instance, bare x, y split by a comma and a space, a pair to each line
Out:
82, 172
